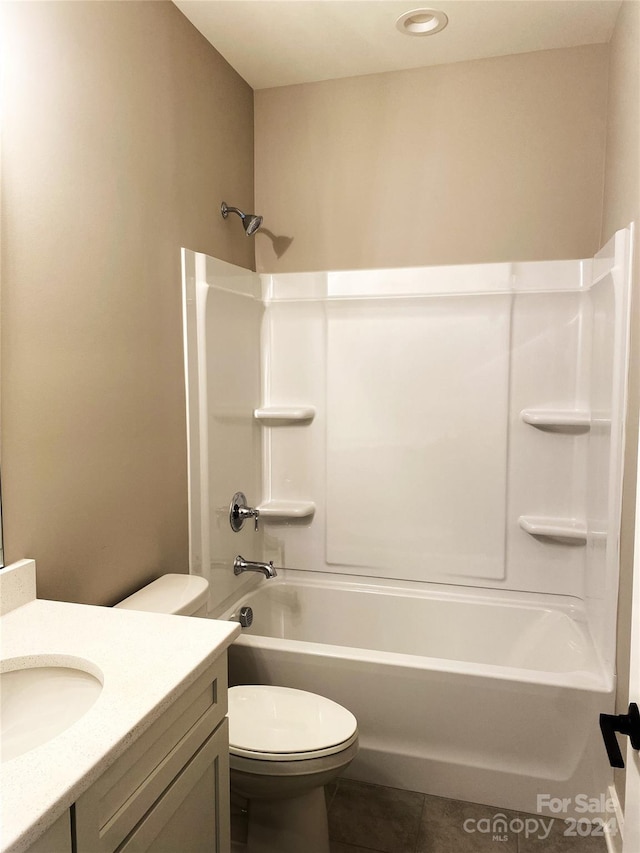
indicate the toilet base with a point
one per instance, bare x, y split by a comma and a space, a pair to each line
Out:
286, 804
289, 825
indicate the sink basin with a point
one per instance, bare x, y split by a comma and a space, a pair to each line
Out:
39, 702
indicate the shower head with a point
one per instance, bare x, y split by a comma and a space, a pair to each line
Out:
250, 221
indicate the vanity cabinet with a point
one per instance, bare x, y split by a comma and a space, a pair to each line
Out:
57, 839
170, 790
146, 767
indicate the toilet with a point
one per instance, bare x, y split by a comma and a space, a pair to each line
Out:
285, 745
181, 595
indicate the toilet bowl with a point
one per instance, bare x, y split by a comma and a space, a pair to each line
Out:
285, 745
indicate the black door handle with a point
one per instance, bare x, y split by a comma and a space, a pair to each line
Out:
626, 724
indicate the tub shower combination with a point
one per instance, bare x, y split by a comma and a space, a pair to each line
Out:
435, 458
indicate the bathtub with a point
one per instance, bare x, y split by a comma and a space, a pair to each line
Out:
491, 698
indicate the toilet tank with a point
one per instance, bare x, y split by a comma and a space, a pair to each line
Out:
183, 595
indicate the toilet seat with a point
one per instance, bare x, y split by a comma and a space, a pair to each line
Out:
283, 724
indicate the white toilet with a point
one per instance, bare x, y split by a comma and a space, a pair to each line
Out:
285, 745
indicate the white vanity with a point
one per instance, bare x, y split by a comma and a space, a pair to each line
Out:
144, 767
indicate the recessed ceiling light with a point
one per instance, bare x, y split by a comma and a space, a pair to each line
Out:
422, 22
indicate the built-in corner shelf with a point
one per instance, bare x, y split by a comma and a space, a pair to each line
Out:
287, 510
558, 420
565, 530
284, 415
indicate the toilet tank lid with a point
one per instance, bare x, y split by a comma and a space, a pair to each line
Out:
178, 594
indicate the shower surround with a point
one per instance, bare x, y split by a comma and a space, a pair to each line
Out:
436, 454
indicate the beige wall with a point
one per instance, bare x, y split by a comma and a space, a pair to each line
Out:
491, 160
621, 206
123, 130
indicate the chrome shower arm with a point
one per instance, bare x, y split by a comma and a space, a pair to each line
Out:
226, 209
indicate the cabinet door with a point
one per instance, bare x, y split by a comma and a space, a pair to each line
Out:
192, 815
108, 812
57, 839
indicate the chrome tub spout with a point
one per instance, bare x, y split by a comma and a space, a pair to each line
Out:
241, 565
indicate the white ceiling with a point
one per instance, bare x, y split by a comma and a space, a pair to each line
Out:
281, 42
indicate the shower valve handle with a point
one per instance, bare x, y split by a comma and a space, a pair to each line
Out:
626, 724
239, 512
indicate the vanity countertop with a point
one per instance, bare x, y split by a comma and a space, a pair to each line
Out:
145, 662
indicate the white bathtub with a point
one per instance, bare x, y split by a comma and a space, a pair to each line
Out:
487, 698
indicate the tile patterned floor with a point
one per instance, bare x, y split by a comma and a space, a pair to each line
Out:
386, 820
373, 819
